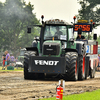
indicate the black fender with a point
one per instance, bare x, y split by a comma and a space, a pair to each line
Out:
70, 50
80, 48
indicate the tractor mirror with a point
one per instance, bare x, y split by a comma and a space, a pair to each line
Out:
95, 36
28, 30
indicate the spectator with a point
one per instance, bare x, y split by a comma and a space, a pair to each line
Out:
16, 59
7, 59
98, 67
4, 59
12, 59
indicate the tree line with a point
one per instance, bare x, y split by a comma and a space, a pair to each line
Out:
90, 9
15, 16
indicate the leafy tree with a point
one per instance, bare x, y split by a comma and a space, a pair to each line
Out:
98, 39
89, 10
15, 16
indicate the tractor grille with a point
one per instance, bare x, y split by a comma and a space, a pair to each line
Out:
51, 48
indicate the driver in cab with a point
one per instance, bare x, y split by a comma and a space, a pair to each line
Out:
58, 32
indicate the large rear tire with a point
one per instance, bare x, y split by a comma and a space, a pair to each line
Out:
81, 72
71, 66
30, 75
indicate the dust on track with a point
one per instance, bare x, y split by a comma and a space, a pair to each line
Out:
14, 87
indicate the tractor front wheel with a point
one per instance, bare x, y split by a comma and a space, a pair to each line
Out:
71, 66
28, 75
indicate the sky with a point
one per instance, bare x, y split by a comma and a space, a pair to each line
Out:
61, 9
58, 9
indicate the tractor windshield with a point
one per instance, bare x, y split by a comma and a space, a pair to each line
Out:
71, 35
58, 32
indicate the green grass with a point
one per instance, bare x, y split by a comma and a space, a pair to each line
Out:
95, 95
15, 69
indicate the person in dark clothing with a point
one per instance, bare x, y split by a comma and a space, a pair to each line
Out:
79, 34
80, 37
4, 59
58, 32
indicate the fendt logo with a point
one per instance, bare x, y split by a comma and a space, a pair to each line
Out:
43, 62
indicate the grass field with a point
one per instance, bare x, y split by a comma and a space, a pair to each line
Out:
95, 95
15, 69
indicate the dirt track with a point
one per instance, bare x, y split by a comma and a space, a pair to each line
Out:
14, 87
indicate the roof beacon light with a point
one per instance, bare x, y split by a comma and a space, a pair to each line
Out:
74, 19
91, 20
42, 17
93, 24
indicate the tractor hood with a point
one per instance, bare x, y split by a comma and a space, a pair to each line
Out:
52, 48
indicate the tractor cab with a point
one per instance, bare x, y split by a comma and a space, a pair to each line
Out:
55, 36
57, 29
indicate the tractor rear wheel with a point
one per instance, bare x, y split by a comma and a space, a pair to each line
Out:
71, 66
81, 72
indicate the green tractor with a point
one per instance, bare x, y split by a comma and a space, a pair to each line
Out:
21, 57
56, 53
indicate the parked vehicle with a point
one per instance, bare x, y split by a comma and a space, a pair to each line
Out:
18, 64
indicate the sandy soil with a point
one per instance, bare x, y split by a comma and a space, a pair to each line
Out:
14, 87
